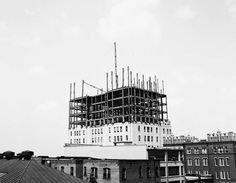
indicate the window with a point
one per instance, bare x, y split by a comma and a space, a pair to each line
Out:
139, 128
126, 128
163, 130
72, 171
144, 129
106, 173
198, 172
123, 174
98, 131
140, 172
196, 151
85, 171
205, 161
189, 162
156, 130
62, 168
228, 175
216, 161
92, 131
127, 138
147, 129
197, 161
222, 175
121, 138
109, 129
94, 172
118, 139
189, 151
144, 138
148, 138
71, 133
114, 138
216, 175
139, 138
204, 151
83, 140
109, 138
157, 139
121, 129
115, 129
148, 172
101, 131
221, 162
152, 138
227, 161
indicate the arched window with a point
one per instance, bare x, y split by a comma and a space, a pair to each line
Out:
85, 171
123, 174
94, 172
72, 171
106, 173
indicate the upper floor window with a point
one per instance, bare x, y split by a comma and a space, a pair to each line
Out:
189, 162
62, 168
126, 128
123, 174
85, 171
196, 151
227, 161
106, 173
197, 161
205, 161
216, 161
221, 162
139, 128
94, 172
72, 171
204, 151
189, 151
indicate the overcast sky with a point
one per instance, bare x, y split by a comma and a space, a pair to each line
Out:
45, 45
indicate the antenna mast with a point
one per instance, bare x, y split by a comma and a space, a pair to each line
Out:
116, 76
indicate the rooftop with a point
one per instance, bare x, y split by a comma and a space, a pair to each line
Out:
25, 171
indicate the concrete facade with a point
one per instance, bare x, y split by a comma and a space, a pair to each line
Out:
108, 152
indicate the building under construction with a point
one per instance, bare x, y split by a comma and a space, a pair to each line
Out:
134, 112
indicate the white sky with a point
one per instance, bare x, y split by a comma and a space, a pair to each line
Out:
46, 44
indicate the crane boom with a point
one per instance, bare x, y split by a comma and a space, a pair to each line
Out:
100, 89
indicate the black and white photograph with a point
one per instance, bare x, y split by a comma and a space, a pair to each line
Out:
118, 91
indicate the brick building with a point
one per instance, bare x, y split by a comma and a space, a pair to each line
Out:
119, 171
214, 157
